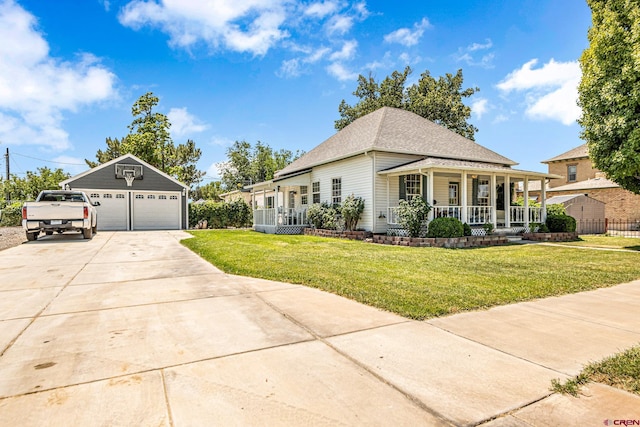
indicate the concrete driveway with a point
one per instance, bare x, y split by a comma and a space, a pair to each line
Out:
131, 328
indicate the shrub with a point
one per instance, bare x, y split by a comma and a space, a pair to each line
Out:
352, 208
556, 209
12, 215
322, 216
488, 228
413, 214
542, 228
219, 214
561, 223
445, 227
467, 229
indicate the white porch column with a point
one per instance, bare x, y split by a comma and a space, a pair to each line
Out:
276, 204
463, 195
507, 201
526, 201
492, 192
543, 199
430, 192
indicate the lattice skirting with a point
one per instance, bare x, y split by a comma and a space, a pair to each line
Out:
290, 229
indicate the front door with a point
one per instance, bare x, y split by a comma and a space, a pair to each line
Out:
454, 199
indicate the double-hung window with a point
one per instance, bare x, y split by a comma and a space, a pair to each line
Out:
412, 185
304, 195
483, 192
572, 173
336, 191
315, 189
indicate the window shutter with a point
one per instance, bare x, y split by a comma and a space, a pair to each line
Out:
424, 190
403, 188
474, 192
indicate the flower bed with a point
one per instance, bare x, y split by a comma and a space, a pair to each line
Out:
351, 235
453, 242
551, 237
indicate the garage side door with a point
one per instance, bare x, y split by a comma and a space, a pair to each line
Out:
112, 212
156, 211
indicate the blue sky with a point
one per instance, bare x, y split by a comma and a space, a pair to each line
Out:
276, 70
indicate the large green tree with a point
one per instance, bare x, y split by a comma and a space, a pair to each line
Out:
439, 100
247, 164
29, 186
210, 191
609, 92
150, 140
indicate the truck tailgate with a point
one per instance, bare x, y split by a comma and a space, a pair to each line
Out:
43, 211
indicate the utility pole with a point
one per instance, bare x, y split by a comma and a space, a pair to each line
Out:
6, 157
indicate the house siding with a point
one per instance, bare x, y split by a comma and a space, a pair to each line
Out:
382, 200
355, 173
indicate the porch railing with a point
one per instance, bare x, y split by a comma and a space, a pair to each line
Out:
293, 217
263, 216
447, 211
478, 215
518, 214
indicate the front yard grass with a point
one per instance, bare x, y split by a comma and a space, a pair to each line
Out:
621, 370
417, 283
608, 242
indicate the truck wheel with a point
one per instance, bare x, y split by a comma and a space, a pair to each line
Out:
95, 229
32, 236
87, 233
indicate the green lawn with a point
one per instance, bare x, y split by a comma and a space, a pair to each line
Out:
601, 241
621, 370
415, 282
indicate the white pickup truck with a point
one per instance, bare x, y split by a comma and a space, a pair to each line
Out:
60, 211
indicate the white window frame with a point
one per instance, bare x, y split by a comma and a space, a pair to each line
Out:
304, 195
573, 174
315, 189
454, 194
413, 186
336, 191
484, 192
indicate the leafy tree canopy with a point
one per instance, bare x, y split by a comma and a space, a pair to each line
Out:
150, 140
609, 92
210, 191
33, 183
247, 164
437, 100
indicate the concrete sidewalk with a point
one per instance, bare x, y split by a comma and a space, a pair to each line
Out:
132, 328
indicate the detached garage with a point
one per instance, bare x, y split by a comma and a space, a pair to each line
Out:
133, 195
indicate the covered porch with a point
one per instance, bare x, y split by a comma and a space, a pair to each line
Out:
280, 206
475, 193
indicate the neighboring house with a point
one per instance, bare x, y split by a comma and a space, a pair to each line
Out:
390, 155
235, 195
579, 176
133, 195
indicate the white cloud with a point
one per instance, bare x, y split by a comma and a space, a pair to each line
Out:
339, 24
295, 67
340, 72
290, 68
244, 26
551, 91
406, 36
184, 123
499, 119
479, 107
214, 170
467, 54
37, 89
321, 10
347, 52
385, 62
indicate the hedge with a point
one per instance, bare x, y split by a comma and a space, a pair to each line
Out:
220, 214
445, 227
12, 215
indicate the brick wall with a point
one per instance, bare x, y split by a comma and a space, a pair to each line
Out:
585, 171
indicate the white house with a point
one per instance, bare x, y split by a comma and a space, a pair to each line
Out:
390, 155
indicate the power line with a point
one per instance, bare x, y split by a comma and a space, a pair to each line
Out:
48, 161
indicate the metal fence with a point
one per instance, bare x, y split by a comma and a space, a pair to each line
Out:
613, 227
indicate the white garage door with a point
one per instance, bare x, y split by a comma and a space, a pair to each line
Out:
156, 211
112, 212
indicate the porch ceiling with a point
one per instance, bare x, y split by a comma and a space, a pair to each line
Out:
457, 166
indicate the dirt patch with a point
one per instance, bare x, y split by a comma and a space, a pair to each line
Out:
11, 236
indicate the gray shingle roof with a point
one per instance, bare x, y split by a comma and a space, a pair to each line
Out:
432, 162
575, 153
397, 131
